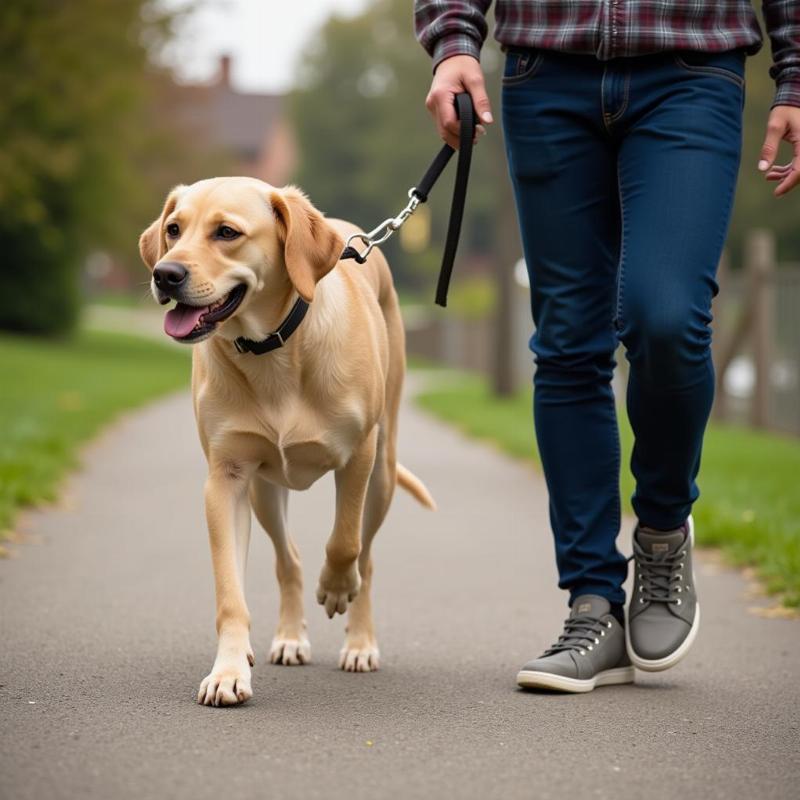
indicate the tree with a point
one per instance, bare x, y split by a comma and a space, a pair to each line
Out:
77, 82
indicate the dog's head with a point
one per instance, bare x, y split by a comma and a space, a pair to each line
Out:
220, 242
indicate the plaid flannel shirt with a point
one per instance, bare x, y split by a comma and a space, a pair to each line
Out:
612, 28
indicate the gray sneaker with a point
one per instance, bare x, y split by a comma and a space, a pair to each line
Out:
663, 614
590, 652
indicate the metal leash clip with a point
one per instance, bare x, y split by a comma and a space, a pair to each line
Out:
419, 194
380, 234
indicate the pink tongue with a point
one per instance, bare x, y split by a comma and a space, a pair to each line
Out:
180, 321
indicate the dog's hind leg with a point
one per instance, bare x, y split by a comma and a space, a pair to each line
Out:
270, 504
360, 651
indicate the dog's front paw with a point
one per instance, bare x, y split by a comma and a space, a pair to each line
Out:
363, 658
290, 651
227, 685
337, 588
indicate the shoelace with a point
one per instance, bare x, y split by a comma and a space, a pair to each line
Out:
659, 575
580, 633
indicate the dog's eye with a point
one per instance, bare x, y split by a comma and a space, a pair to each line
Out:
173, 230
226, 232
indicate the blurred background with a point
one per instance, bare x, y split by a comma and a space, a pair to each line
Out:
106, 106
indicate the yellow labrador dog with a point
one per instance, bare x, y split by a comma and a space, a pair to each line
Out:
243, 259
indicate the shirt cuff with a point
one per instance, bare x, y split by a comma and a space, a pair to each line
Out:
788, 93
455, 44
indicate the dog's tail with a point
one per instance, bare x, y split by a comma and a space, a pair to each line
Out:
414, 486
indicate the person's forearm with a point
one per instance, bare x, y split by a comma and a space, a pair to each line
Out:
782, 19
448, 28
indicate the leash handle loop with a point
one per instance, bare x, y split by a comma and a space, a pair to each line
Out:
466, 117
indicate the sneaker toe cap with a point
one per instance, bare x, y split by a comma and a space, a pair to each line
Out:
653, 639
558, 664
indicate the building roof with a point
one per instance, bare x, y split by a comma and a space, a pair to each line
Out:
241, 122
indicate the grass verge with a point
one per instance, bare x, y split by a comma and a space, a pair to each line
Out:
749, 505
56, 395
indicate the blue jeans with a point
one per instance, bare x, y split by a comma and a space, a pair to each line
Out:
624, 175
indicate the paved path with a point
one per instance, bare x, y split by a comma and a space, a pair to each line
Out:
107, 629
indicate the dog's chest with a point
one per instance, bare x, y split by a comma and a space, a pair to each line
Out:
298, 448
298, 465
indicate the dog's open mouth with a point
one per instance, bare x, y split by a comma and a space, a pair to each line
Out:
187, 323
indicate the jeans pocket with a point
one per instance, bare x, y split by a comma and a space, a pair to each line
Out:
521, 65
728, 65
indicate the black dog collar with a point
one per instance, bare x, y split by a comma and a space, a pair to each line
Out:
278, 337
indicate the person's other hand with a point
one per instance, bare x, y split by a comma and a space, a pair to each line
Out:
783, 123
455, 75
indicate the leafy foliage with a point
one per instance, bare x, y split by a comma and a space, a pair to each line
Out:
77, 126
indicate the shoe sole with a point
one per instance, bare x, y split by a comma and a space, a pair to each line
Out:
532, 679
660, 664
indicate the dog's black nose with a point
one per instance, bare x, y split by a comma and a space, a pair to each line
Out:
169, 275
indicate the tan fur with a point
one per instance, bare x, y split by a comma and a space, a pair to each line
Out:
327, 401
414, 486
152, 244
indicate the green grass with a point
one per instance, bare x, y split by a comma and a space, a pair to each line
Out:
135, 298
749, 504
56, 395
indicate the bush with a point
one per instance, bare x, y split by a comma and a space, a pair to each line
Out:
38, 284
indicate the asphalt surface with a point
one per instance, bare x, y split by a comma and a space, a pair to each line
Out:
107, 628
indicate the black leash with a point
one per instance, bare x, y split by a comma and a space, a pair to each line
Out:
417, 194
466, 116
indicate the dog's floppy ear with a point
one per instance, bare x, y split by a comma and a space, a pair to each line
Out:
311, 246
152, 244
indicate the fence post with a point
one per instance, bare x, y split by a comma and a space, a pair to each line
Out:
760, 263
